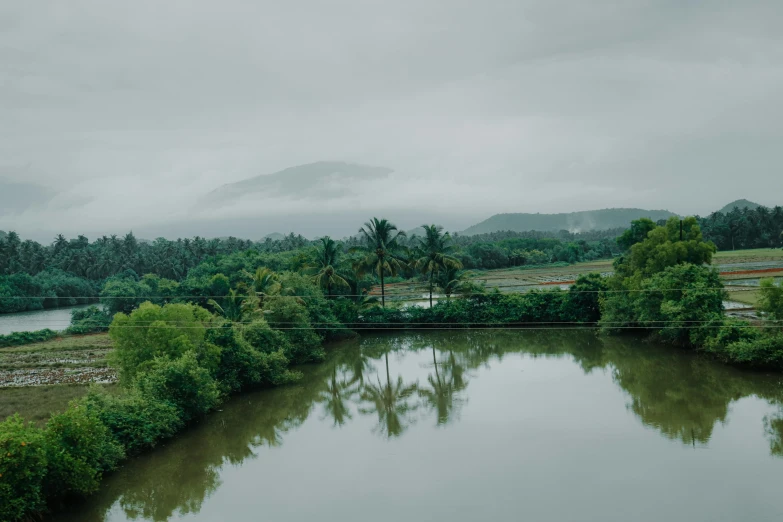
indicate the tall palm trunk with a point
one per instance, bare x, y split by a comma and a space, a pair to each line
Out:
383, 293
431, 288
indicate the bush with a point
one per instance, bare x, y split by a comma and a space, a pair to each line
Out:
290, 315
20, 338
79, 448
763, 352
124, 294
89, 320
771, 299
182, 383
135, 422
23, 468
263, 338
153, 331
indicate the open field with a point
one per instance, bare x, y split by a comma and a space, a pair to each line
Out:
66, 360
37, 403
740, 269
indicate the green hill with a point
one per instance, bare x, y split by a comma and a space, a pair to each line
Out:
740, 203
572, 221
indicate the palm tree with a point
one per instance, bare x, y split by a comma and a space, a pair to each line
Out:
235, 306
433, 253
390, 402
323, 270
452, 281
265, 283
380, 237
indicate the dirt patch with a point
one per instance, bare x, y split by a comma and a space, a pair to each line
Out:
46, 376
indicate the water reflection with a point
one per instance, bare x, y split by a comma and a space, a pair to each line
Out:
392, 402
680, 396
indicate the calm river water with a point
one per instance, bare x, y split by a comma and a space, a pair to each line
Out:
466, 426
54, 318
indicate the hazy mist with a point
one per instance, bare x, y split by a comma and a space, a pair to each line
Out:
120, 115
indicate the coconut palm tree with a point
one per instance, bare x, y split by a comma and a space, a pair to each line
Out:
235, 306
451, 281
434, 253
265, 283
380, 238
323, 271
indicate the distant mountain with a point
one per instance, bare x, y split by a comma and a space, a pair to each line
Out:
323, 179
2, 234
740, 203
16, 197
572, 221
274, 236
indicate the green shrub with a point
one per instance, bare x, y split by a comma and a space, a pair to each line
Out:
136, 422
20, 338
290, 315
263, 338
89, 320
764, 352
182, 383
79, 448
771, 298
23, 468
155, 331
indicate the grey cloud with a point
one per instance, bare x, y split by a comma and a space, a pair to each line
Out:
133, 111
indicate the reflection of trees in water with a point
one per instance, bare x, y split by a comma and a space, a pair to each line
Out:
391, 402
773, 426
680, 395
442, 395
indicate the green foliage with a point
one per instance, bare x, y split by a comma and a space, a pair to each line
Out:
89, 320
123, 295
663, 248
182, 383
638, 232
584, 299
243, 364
23, 468
20, 338
263, 338
79, 448
484, 310
290, 315
153, 331
763, 352
135, 422
771, 299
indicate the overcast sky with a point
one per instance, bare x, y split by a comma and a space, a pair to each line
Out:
134, 110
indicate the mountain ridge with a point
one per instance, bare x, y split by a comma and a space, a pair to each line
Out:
580, 221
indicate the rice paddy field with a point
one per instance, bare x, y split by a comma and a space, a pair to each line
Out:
741, 270
39, 379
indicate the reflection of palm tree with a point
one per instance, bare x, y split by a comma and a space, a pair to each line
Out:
335, 396
441, 396
390, 402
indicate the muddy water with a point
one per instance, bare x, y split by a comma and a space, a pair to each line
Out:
55, 319
465, 426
